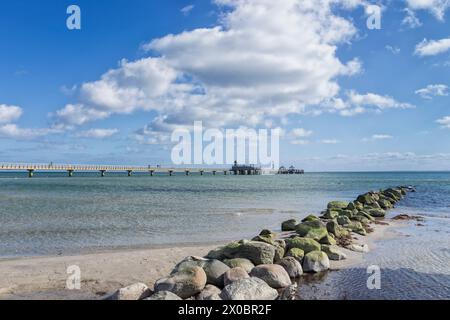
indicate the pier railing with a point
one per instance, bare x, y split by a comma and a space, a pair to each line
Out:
102, 169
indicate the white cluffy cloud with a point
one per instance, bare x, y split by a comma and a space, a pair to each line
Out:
97, 133
444, 122
378, 137
411, 20
9, 113
263, 60
298, 136
187, 9
436, 7
356, 103
8, 129
433, 90
432, 47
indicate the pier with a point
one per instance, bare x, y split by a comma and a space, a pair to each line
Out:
103, 170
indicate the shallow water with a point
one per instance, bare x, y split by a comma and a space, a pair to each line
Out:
54, 214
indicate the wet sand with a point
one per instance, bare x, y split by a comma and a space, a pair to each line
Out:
104, 272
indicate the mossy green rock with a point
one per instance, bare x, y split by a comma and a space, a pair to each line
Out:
385, 204
289, 225
347, 213
296, 253
264, 238
243, 263
314, 229
310, 218
279, 253
306, 244
225, 252
343, 220
377, 213
267, 233
366, 215
316, 261
366, 199
334, 228
337, 205
256, 252
333, 252
330, 214
327, 240
355, 205
357, 227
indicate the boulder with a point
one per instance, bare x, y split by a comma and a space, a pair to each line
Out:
362, 248
280, 243
327, 240
234, 275
137, 291
355, 205
311, 217
337, 205
185, 283
292, 267
189, 262
249, 289
289, 225
333, 252
377, 213
316, 261
225, 252
209, 293
347, 213
306, 244
343, 220
215, 270
289, 294
268, 233
274, 275
296, 253
313, 229
334, 228
385, 204
366, 215
264, 238
366, 199
256, 252
164, 295
330, 214
357, 227
279, 253
243, 263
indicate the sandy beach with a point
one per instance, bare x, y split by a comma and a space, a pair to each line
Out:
104, 272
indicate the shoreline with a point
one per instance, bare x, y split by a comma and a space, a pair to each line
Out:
105, 270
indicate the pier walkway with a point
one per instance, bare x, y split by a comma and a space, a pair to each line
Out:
71, 169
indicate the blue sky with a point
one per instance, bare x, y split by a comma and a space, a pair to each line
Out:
346, 97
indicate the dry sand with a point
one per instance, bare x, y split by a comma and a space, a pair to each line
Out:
104, 272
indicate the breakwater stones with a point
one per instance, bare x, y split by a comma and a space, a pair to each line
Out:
263, 268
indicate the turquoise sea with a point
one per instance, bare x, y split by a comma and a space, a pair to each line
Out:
53, 214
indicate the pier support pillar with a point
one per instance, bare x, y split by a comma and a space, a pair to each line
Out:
224, 173
130, 172
170, 173
70, 173
214, 173
102, 173
30, 173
